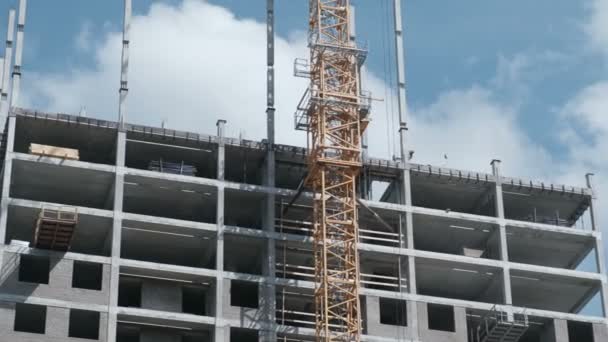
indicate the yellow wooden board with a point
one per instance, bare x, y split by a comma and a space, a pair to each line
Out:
54, 151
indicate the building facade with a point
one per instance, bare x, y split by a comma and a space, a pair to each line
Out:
177, 236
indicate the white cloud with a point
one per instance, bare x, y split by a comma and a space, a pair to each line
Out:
596, 27
472, 129
191, 64
195, 63
83, 41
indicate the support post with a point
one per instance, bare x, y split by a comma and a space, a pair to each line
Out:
16, 87
406, 195
119, 182
124, 66
599, 245
121, 141
504, 251
222, 330
10, 139
8, 58
269, 304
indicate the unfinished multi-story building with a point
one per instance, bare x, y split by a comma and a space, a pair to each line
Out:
121, 232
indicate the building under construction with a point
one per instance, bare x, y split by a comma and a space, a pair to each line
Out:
121, 232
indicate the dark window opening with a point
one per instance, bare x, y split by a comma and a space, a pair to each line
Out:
129, 293
127, 334
244, 294
243, 335
87, 275
84, 324
30, 318
580, 331
34, 269
193, 300
441, 317
393, 312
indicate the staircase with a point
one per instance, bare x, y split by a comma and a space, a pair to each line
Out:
55, 228
497, 327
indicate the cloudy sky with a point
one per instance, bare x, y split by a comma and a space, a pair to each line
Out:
522, 81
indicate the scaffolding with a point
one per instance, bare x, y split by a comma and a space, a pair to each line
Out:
334, 113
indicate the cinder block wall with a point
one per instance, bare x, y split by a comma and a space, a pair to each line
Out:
57, 326
60, 282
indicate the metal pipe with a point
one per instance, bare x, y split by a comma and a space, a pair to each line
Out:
16, 88
167, 145
124, 67
402, 95
270, 83
8, 57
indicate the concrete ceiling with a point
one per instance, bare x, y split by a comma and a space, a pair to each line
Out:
175, 245
164, 198
454, 235
61, 184
458, 281
550, 292
545, 248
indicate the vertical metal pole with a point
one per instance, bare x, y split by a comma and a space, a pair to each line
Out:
8, 58
124, 67
599, 245
268, 289
14, 97
270, 73
402, 95
412, 307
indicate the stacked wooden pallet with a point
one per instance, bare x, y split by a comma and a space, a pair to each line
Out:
55, 228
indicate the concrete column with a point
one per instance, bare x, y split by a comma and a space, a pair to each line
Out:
504, 252
6, 184
222, 331
8, 58
598, 244
116, 234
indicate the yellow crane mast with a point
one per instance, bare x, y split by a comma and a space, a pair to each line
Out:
334, 113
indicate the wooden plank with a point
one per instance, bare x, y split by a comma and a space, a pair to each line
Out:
54, 151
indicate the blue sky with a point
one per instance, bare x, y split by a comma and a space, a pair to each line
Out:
519, 80
449, 45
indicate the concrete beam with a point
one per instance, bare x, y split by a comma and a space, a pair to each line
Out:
54, 254
52, 302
